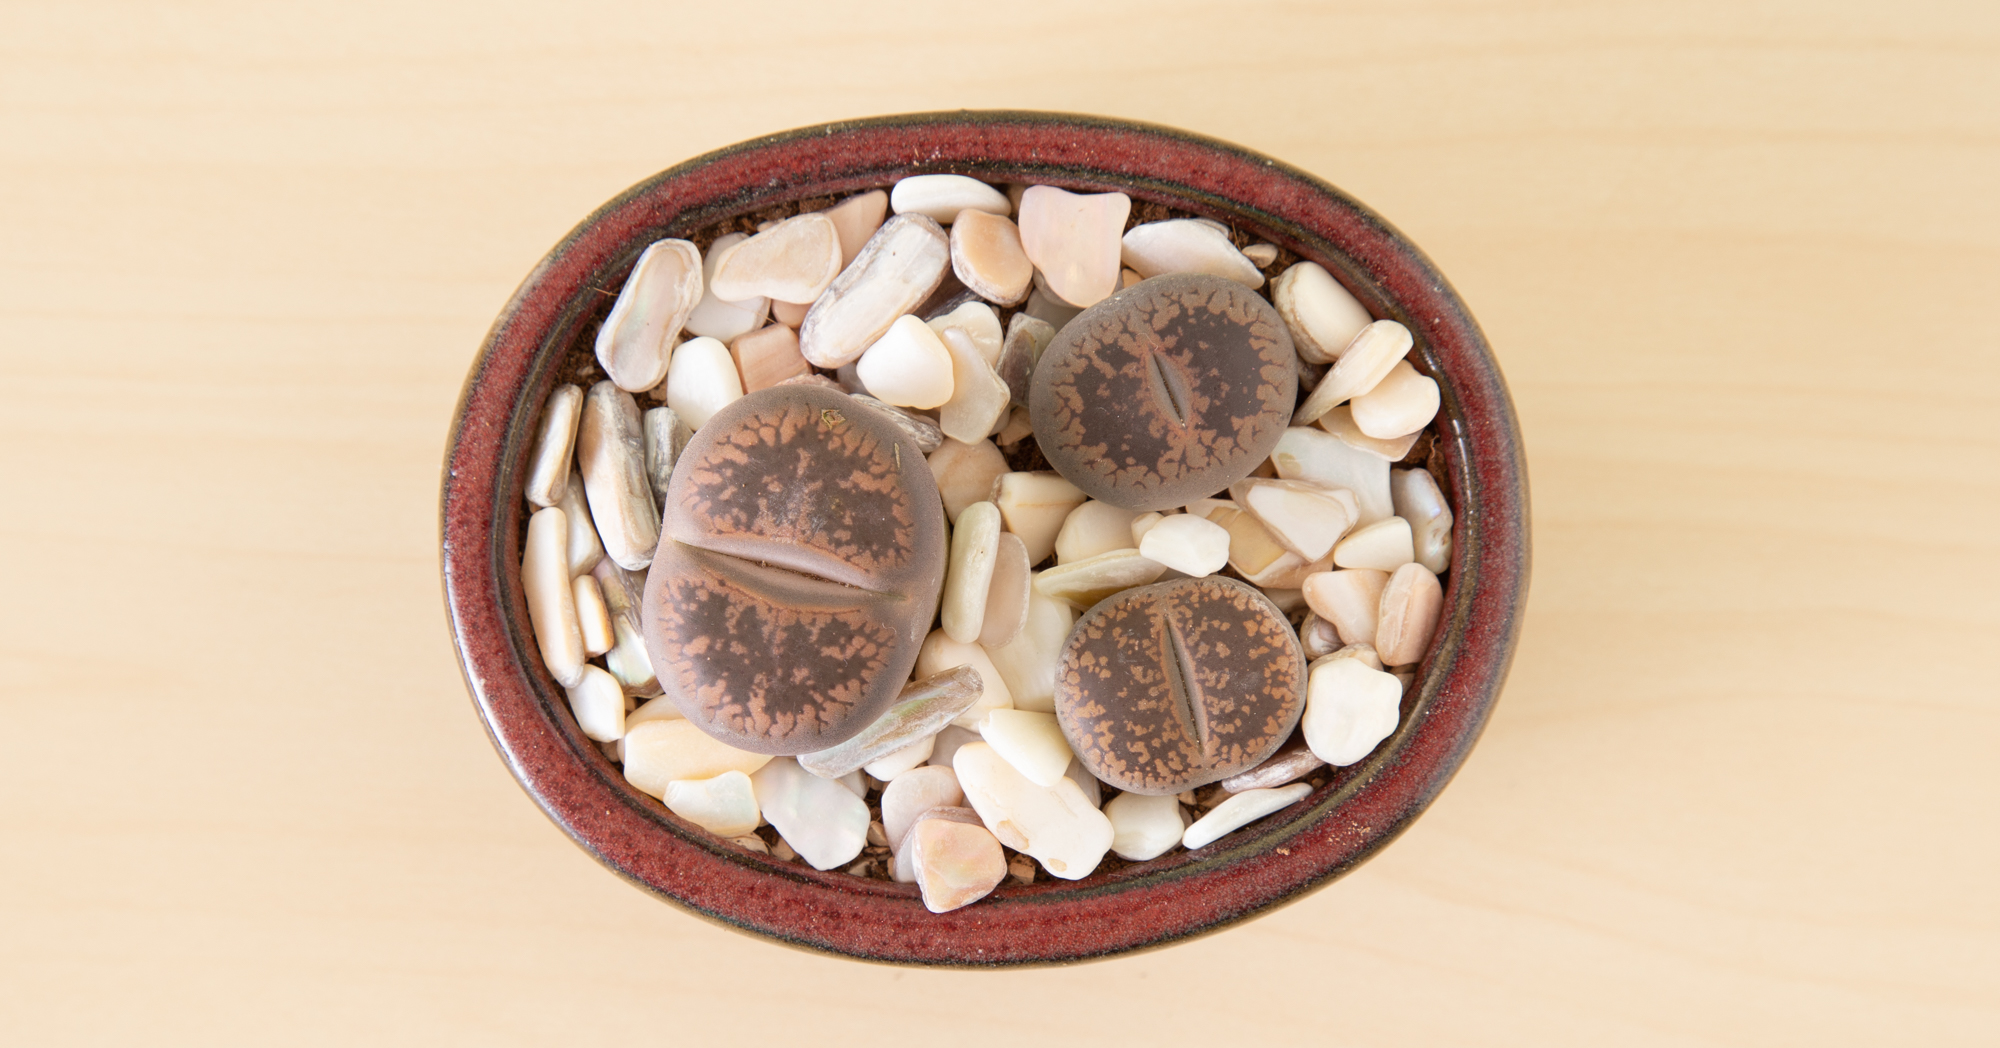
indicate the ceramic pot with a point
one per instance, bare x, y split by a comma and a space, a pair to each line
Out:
1134, 906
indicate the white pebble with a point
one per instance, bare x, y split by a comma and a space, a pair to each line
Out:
1364, 653
637, 338
1034, 506
914, 793
1241, 810
551, 601
965, 473
1093, 791
1186, 245
1088, 581
661, 751
1305, 517
1057, 825
592, 617
1412, 602
725, 805
582, 550
1190, 545
940, 653
896, 764
702, 381
1305, 453
598, 702
948, 742
1260, 254
658, 708
611, 454
1092, 528
720, 319
1403, 403
548, 465
1350, 709
1028, 662
908, 367
1418, 499
941, 197
896, 270
1384, 546
980, 322
822, 819
627, 660
1074, 240
979, 396
1322, 316
1032, 742
955, 864
1006, 595
1350, 600
1144, 827
793, 261
975, 543
1340, 422
1365, 362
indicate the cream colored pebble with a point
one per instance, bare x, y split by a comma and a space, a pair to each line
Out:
636, 341
548, 465
611, 455
1144, 827
965, 473
1322, 316
715, 317
1240, 810
1006, 595
1365, 362
1419, 500
1186, 245
660, 708
583, 550
940, 653
1307, 453
1384, 545
975, 543
1412, 602
1317, 636
855, 220
1340, 423
598, 701
896, 270
1088, 581
908, 366
1190, 545
1350, 599
1028, 662
1305, 517
980, 322
1350, 709
1074, 240
941, 197
593, 618
658, 752
902, 761
551, 600
979, 397
793, 261
1032, 742
627, 660
702, 381
725, 805
1400, 405
1092, 528
1034, 506
987, 256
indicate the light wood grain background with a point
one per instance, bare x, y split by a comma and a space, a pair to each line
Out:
1739, 260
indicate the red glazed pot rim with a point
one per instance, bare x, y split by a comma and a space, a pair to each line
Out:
1139, 906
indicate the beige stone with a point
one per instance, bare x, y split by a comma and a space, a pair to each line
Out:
1350, 599
793, 261
1240, 810
1339, 421
1305, 517
895, 272
1186, 245
790, 314
713, 316
1034, 506
1350, 709
956, 864
965, 472
1093, 528
940, 653
1365, 362
1191, 545
979, 399
1006, 594
1322, 316
1400, 405
768, 356
555, 440
1412, 603
979, 321
637, 338
598, 703
582, 550
941, 197
975, 543
855, 220
627, 660
987, 256
1056, 824
1384, 545
611, 455
593, 618
909, 795
908, 366
1074, 240
725, 805
658, 752
1418, 499
1306, 453
1088, 581
702, 381
1028, 662
1030, 741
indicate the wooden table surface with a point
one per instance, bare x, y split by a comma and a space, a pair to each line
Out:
1739, 260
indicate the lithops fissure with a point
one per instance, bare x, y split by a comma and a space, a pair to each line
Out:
1176, 685
1166, 392
798, 570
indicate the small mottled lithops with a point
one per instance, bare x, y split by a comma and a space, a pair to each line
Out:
798, 571
851, 482
1166, 392
1169, 687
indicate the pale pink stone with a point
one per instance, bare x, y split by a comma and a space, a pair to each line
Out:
768, 356
855, 219
1074, 239
956, 864
986, 254
790, 314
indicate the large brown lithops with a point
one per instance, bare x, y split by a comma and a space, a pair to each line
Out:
1168, 687
798, 570
1168, 391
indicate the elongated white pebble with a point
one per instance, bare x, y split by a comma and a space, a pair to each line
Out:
975, 543
1006, 595
627, 660
636, 341
1241, 810
821, 819
1028, 662
551, 601
1144, 827
1350, 709
548, 465
979, 397
1190, 545
1384, 545
941, 197
659, 708
583, 550
1399, 405
909, 366
1365, 362
1032, 742
896, 270
1057, 825
598, 701
1088, 581
1186, 245
1350, 599
1321, 315
1419, 500
725, 805
702, 381
592, 617
1412, 602
611, 453
902, 761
